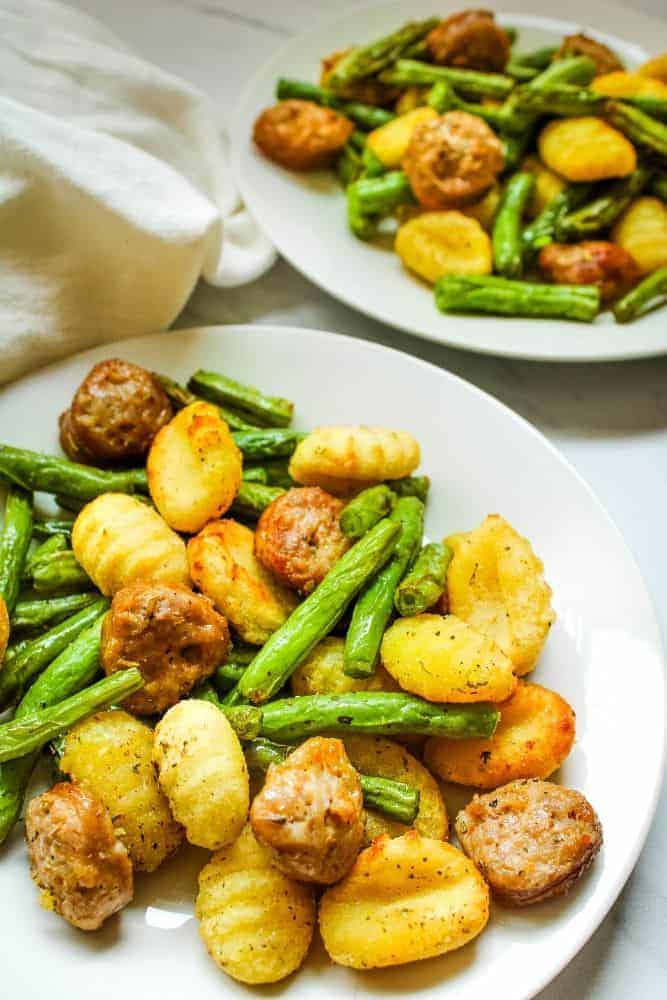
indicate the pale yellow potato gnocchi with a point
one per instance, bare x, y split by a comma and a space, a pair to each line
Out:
118, 539
547, 185
203, 773
390, 142
355, 454
623, 84
382, 758
656, 68
405, 899
441, 658
110, 755
322, 673
437, 243
586, 149
194, 468
642, 231
534, 736
224, 567
256, 923
496, 584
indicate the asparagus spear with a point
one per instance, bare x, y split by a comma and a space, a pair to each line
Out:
51, 526
639, 127
395, 799
647, 294
375, 603
60, 571
425, 582
372, 198
28, 733
50, 610
35, 471
369, 60
180, 397
367, 508
542, 230
274, 411
655, 107
255, 474
253, 498
519, 71
274, 473
366, 116
442, 97
537, 59
14, 543
564, 99
577, 70
377, 713
410, 72
269, 442
371, 164
314, 618
503, 297
349, 166
411, 486
506, 234
603, 211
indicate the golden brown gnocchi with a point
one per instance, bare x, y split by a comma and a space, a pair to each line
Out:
437, 243
224, 567
495, 583
534, 736
642, 231
547, 185
322, 673
118, 539
110, 755
202, 771
390, 141
655, 68
623, 84
405, 899
484, 210
353, 455
441, 658
256, 923
586, 149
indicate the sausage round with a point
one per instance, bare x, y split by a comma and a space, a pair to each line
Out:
452, 160
76, 857
309, 812
301, 135
173, 636
298, 536
593, 262
605, 60
115, 414
470, 39
530, 839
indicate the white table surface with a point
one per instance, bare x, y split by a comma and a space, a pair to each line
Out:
609, 420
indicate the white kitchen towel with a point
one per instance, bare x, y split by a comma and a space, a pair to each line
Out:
115, 193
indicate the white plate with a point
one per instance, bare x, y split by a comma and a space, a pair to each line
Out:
304, 214
604, 655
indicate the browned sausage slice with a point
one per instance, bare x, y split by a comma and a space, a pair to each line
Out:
470, 39
300, 134
605, 60
593, 262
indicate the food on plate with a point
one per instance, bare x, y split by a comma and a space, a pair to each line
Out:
110, 756
354, 456
602, 56
437, 243
202, 771
256, 923
76, 858
642, 232
175, 638
224, 566
322, 672
547, 186
424, 585
586, 149
194, 468
117, 539
655, 68
114, 415
470, 39
622, 84
309, 812
405, 899
534, 736
4, 629
530, 839
301, 135
390, 142
593, 262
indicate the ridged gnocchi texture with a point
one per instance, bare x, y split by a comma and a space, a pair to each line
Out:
534, 736
383, 758
405, 899
437, 243
642, 231
322, 673
202, 771
194, 468
547, 185
390, 142
496, 584
622, 84
224, 567
256, 923
353, 455
441, 658
110, 755
586, 149
118, 539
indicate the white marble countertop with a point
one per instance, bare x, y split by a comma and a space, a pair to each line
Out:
609, 420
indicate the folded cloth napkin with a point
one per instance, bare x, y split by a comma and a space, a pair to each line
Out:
115, 194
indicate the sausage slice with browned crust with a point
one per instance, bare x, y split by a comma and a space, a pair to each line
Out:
605, 60
300, 134
470, 39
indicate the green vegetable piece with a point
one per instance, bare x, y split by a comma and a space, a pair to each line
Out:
655, 107
56, 543
255, 474
507, 224
273, 472
371, 164
426, 581
410, 72
35, 471
274, 411
646, 295
411, 486
640, 128
602, 211
542, 230
658, 186
269, 442
369, 60
537, 59
245, 720
366, 116
51, 526
442, 97
349, 166
14, 543
180, 397
519, 71
504, 297
48, 611
366, 509
253, 498
371, 199
228, 675
565, 99
60, 571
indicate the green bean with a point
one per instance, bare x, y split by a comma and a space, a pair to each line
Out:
180, 397
538, 59
514, 148
603, 211
504, 297
519, 71
377, 713
28, 733
376, 602
255, 474
426, 581
314, 618
511, 32
369, 60
371, 164
274, 411
506, 233
51, 526
35, 471
646, 295
366, 116
411, 486
55, 543
60, 571
655, 107
273, 472
253, 498
228, 675
442, 97
245, 720
372, 198
14, 543
268, 442
565, 99
577, 70
366, 509
640, 128
349, 166
49, 610
658, 186
410, 72
542, 230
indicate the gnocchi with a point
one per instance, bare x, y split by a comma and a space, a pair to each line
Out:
622, 84
118, 539
655, 68
405, 899
586, 149
256, 923
547, 185
642, 231
390, 141
322, 673
194, 468
202, 771
353, 455
437, 243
